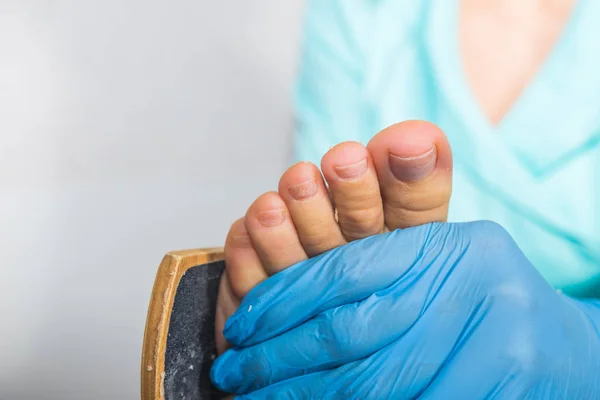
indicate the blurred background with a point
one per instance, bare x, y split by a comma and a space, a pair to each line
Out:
127, 129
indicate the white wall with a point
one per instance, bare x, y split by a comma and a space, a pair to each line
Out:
127, 129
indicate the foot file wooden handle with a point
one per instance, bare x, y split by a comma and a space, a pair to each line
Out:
179, 345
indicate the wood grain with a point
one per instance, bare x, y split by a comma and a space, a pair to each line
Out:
170, 271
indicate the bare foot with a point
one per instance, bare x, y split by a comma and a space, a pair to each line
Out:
403, 178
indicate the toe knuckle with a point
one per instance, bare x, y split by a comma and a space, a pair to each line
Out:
336, 340
319, 243
494, 233
359, 223
493, 242
524, 355
419, 199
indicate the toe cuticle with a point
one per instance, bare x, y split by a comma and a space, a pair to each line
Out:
271, 218
351, 171
304, 190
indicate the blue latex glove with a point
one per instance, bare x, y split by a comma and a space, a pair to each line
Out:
442, 311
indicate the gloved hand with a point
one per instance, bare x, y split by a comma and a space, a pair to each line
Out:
441, 311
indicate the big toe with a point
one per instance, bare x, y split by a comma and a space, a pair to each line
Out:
413, 161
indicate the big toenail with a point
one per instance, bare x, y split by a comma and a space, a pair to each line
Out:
351, 171
303, 190
271, 218
413, 168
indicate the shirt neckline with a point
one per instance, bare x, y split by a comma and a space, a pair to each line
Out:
538, 111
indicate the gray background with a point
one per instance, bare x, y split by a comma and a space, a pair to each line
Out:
127, 129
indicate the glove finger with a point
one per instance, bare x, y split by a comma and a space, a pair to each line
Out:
378, 376
342, 276
333, 338
347, 382
404, 369
409, 310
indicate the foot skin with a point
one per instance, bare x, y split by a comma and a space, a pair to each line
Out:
403, 178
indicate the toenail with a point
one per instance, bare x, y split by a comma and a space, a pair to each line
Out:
241, 240
413, 168
271, 218
351, 171
303, 190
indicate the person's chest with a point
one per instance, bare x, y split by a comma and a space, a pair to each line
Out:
503, 44
538, 171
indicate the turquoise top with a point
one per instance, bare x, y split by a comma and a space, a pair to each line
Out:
367, 64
